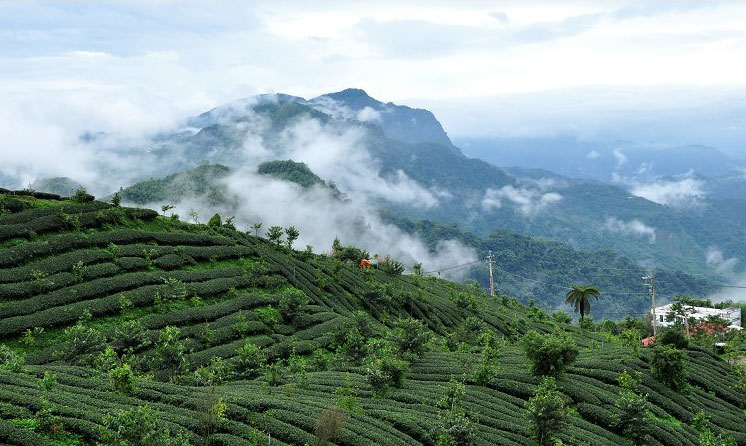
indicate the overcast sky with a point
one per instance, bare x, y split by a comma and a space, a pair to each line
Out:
669, 72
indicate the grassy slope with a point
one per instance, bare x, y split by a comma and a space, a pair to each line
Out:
41, 286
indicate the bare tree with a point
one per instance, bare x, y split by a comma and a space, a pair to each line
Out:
328, 425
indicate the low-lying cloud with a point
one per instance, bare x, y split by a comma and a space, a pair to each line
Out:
684, 192
320, 217
715, 258
726, 267
621, 158
339, 110
635, 228
337, 153
527, 201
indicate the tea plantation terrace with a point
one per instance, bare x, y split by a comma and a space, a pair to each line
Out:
124, 326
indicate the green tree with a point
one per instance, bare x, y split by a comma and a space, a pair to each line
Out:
82, 343
546, 412
165, 208
274, 234
212, 410
248, 361
116, 199
386, 371
256, 227
292, 303
410, 336
228, 223
455, 428
682, 308
417, 268
390, 266
215, 221
673, 337
291, 234
169, 350
82, 196
702, 424
48, 421
123, 379
487, 369
579, 296
669, 366
633, 419
549, 353
10, 360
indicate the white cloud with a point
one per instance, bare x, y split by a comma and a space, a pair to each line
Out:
544, 184
340, 155
527, 201
683, 192
645, 168
633, 227
621, 158
715, 258
367, 114
593, 154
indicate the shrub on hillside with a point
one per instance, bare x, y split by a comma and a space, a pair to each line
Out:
169, 350
550, 354
292, 303
138, 427
122, 379
545, 412
248, 361
562, 317
82, 196
673, 337
669, 366
82, 343
390, 266
633, 419
386, 371
410, 337
215, 221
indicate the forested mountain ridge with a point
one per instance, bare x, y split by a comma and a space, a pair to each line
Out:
480, 197
119, 324
529, 267
542, 270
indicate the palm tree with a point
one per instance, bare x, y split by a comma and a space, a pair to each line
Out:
579, 296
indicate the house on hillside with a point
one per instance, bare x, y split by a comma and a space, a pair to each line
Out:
701, 314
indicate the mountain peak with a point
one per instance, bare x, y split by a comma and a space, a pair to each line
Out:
355, 98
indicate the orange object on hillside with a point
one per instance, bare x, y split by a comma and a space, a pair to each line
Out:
365, 263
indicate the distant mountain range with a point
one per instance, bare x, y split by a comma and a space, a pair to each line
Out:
621, 161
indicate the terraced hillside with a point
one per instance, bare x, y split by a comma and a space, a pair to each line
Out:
117, 320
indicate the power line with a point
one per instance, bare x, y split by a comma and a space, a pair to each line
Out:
613, 293
451, 267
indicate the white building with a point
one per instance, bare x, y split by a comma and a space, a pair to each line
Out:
699, 313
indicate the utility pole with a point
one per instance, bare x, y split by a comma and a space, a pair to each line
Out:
651, 285
490, 260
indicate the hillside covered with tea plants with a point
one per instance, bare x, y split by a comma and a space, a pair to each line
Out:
121, 326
